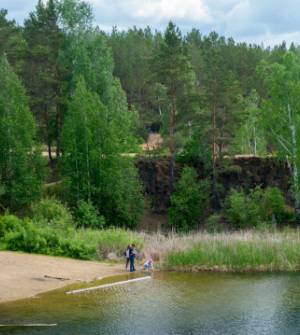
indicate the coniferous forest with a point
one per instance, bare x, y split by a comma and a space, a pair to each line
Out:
77, 103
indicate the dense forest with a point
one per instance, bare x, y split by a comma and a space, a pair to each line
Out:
86, 100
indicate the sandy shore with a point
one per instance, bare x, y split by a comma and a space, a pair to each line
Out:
26, 275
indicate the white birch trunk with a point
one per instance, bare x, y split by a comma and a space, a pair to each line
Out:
295, 172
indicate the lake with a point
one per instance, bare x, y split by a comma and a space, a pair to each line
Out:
170, 303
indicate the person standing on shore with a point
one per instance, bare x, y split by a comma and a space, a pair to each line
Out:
127, 256
132, 254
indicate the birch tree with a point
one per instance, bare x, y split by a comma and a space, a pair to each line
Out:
21, 169
93, 166
282, 114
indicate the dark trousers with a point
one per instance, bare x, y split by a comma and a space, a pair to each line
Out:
127, 262
131, 259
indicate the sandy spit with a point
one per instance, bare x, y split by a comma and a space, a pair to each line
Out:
26, 275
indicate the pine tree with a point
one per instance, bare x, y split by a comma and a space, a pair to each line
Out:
12, 42
21, 168
136, 46
173, 71
42, 73
222, 109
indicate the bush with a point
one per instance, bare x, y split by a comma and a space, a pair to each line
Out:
256, 208
213, 224
77, 248
30, 236
273, 205
87, 216
237, 211
9, 223
26, 238
189, 200
52, 212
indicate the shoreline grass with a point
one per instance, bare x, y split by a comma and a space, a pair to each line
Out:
249, 251
240, 251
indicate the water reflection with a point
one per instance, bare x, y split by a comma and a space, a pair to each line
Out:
171, 303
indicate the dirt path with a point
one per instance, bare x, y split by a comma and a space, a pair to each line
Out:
26, 275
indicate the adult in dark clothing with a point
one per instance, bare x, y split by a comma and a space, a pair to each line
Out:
127, 256
132, 254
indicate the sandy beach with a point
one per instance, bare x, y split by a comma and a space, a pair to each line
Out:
26, 275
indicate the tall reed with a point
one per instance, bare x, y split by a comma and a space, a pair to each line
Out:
239, 251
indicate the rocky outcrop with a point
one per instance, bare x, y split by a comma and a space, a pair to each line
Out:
244, 172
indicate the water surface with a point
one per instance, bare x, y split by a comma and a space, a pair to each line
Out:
171, 303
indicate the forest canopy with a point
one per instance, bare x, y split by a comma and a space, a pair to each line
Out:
89, 98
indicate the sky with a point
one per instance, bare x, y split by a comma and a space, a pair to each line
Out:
267, 22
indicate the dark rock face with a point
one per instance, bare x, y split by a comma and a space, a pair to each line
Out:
239, 173
155, 174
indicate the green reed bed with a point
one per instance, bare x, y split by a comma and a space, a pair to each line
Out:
241, 252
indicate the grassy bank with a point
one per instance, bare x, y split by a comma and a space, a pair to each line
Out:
237, 252
64, 240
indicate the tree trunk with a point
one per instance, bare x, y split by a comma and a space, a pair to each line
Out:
172, 146
255, 142
295, 172
215, 197
50, 152
58, 131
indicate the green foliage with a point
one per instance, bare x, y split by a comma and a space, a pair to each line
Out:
21, 166
114, 240
36, 237
74, 14
189, 201
12, 42
8, 223
259, 206
26, 238
213, 224
42, 74
239, 253
137, 47
94, 168
281, 112
250, 138
52, 212
202, 92
171, 65
87, 216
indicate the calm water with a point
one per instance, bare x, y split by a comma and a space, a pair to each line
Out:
171, 303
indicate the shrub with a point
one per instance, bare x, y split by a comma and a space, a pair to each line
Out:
27, 238
87, 216
241, 212
77, 248
31, 236
188, 201
256, 208
273, 205
213, 224
116, 240
52, 212
9, 223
